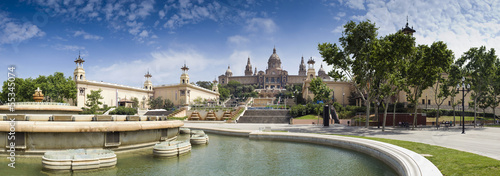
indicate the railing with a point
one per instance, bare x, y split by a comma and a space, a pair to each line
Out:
42, 103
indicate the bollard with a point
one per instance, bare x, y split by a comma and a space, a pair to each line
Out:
326, 116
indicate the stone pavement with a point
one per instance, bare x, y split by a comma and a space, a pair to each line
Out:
483, 141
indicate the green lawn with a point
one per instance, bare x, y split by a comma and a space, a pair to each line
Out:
177, 118
310, 116
457, 118
493, 125
449, 161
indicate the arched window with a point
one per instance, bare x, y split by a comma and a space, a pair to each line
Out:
183, 81
81, 77
76, 77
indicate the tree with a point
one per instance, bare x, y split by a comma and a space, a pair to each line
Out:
320, 90
351, 62
495, 89
55, 88
155, 103
168, 104
389, 62
424, 68
443, 88
204, 84
223, 92
479, 66
135, 105
93, 100
454, 76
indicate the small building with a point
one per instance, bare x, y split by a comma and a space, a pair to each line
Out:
113, 94
120, 95
185, 92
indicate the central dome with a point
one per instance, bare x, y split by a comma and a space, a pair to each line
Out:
274, 61
274, 56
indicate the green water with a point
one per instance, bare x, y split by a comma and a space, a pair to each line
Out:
229, 156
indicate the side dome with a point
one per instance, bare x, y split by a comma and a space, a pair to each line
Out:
228, 71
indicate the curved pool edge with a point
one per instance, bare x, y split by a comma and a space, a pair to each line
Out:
403, 161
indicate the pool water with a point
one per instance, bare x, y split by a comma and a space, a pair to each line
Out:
226, 155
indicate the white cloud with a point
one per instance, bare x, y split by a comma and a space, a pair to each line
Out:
237, 39
461, 24
86, 35
356, 4
163, 65
192, 12
12, 31
144, 33
68, 47
261, 24
238, 62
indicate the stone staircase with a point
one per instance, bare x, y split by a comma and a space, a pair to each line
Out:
265, 116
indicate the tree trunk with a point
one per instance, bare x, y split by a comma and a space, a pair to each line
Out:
494, 116
415, 117
376, 112
453, 115
367, 113
475, 107
394, 115
437, 117
385, 115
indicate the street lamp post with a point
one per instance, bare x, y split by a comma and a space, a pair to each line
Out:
463, 101
343, 94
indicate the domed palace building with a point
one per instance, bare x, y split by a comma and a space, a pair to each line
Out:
275, 78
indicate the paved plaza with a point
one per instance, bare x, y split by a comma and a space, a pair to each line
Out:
483, 141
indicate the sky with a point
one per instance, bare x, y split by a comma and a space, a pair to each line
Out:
120, 40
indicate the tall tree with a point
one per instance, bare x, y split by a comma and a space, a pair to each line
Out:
479, 66
135, 105
155, 103
320, 90
495, 89
93, 100
389, 61
424, 68
443, 88
453, 79
351, 61
204, 84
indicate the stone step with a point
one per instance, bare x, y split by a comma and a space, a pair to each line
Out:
264, 120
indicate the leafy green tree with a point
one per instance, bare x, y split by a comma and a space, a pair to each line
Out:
388, 57
424, 68
352, 61
135, 105
444, 88
479, 66
93, 100
495, 89
223, 92
204, 84
320, 90
454, 77
55, 88
155, 103
168, 104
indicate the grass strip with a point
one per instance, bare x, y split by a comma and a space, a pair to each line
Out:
449, 161
310, 116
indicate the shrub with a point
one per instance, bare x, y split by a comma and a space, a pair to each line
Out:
123, 111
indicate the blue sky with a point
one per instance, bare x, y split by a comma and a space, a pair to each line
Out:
121, 39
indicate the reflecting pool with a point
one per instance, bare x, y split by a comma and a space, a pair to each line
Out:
226, 155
